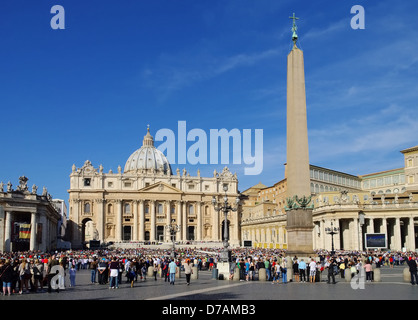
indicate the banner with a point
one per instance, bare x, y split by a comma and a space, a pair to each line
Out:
24, 231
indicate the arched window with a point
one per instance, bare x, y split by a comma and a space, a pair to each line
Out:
191, 209
160, 208
110, 208
87, 207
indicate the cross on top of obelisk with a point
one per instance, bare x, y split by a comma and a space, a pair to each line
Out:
294, 28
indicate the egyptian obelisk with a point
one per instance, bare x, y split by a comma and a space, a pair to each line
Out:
299, 212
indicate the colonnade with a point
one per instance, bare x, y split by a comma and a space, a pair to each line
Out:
399, 230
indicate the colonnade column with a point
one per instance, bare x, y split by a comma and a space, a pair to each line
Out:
384, 228
397, 227
32, 243
8, 232
356, 234
411, 234
370, 227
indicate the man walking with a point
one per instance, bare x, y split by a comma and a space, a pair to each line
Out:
172, 269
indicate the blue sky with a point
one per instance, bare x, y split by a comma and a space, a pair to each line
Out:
89, 91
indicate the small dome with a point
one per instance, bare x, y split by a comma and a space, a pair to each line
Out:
148, 158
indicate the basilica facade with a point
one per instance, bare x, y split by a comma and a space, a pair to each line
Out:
146, 202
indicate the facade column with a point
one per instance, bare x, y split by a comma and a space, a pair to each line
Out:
178, 220
135, 209
152, 208
32, 243
199, 221
8, 232
167, 234
215, 226
76, 232
100, 218
141, 220
118, 233
184, 222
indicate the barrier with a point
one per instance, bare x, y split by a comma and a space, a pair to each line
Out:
150, 272
195, 273
262, 274
215, 274
406, 275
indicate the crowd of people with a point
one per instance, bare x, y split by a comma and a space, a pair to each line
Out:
24, 272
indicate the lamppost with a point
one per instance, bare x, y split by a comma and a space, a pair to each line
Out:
361, 216
225, 207
333, 230
173, 229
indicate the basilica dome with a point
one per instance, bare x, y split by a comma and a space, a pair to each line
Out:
148, 159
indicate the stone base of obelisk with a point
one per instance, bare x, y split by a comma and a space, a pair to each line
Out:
299, 233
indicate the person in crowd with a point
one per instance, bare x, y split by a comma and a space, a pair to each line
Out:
412, 264
302, 270
114, 273
6, 277
73, 273
312, 271
330, 266
188, 270
172, 270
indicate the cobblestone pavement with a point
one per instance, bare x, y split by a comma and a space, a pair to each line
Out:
391, 287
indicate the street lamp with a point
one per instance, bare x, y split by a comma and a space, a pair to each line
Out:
361, 216
333, 230
225, 207
173, 229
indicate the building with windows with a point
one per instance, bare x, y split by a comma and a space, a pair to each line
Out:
140, 202
381, 202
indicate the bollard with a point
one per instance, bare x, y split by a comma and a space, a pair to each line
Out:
376, 275
347, 275
195, 273
406, 275
150, 272
236, 274
214, 274
178, 273
262, 275
289, 267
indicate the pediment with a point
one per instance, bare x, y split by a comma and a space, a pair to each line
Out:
160, 187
